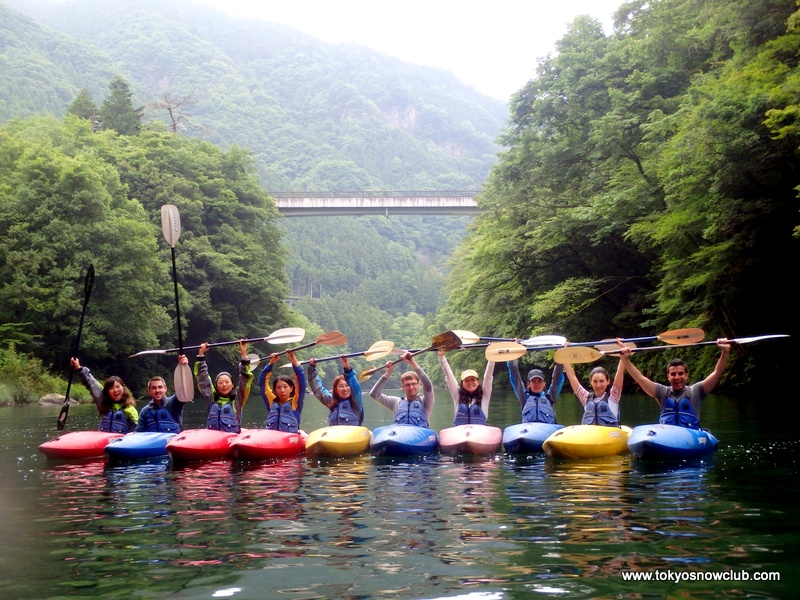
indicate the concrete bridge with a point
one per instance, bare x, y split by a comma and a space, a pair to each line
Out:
313, 204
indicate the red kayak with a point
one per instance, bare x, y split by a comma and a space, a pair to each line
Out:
200, 444
259, 444
78, 444
470, 439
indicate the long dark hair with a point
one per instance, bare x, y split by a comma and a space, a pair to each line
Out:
464, 397
287, 379
334, 394
127, 398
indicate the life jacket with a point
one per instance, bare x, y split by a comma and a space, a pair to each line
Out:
411, 413
281, 418
679, 412
598, 412
222, 417
160, 419
472, 414
343, 414
115, 420
538, 409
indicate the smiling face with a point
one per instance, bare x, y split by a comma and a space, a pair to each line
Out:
599, 382
410, 385
157, 388
470, 384
224, 385
342, 389
116, 391
677, 376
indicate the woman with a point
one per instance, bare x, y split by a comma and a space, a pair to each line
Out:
284, 400
114, 401
470, 398
344, 400
601, 405
223, 400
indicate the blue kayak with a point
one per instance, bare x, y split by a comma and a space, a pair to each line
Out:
135, 445
403, 440
527, 437
670, 442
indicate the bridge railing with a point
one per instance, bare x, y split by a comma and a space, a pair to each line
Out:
377, 194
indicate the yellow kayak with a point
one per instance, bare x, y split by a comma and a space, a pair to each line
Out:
587, 441
337, 441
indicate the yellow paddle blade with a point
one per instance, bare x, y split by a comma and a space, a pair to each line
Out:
577, 354
379, 350
690, 335
503, 351
611, 346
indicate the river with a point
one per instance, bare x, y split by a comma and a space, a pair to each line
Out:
441, 527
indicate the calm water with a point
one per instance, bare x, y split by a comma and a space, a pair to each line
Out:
501, 528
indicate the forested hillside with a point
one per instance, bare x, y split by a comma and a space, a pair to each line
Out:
650, 182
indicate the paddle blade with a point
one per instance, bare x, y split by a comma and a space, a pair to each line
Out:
690, 335
62, 416
379, 350
184, 383
544, 340
448, 340
611, 346
503, 351
467, 337
289, 335
171, 223
332, 338
576, 354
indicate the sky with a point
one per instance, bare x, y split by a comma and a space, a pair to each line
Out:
493, 46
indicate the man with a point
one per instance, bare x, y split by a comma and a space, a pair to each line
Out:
163, 413
410, 409
680, 404
537, 405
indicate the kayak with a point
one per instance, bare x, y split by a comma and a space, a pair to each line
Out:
470, 439
200, 444
78, 444
139, 444
527, 437
260, 444
402, 440
587, 441
337, 441
667, 442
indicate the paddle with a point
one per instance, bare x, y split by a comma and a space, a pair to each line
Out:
470, 339
448, 340
171, 226
503, 351
674, 336
583, 354
289, 335
374, 352
87, 290
331, 338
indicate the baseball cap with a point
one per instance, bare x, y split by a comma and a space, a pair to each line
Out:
534, 373
468, 373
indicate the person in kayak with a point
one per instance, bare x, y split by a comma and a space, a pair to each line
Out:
601, 405
344, 400
471, 397
114, 401
163, 413
224, 401
409, 409
284, 399
679, 403
537, 405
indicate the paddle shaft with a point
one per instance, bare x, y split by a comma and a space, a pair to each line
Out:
87, 290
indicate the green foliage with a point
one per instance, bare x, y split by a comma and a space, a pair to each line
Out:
24, 379
117, 111
83, 106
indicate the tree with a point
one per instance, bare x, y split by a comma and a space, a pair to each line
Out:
117, 111
83, 106
174, 109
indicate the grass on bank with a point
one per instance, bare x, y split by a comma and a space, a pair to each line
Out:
24, 379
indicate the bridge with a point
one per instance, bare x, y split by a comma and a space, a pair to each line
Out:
314, 204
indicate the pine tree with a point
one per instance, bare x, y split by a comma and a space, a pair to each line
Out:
83, 106
117, 111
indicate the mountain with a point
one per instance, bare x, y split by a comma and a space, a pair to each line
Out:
317, 116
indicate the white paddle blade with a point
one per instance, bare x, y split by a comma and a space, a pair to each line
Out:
544, 340
467, 337
184, 383
289, 335
171, 223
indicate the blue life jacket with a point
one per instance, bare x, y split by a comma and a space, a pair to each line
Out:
538, 409
598, 412
160, 419
411, 413
679, 412
343, 414
281, 418
115, 421
472, 414
222, 417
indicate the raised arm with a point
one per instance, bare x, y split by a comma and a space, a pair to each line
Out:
449, 378
648, 385
710, 382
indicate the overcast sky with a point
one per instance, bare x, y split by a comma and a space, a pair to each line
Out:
491, 45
